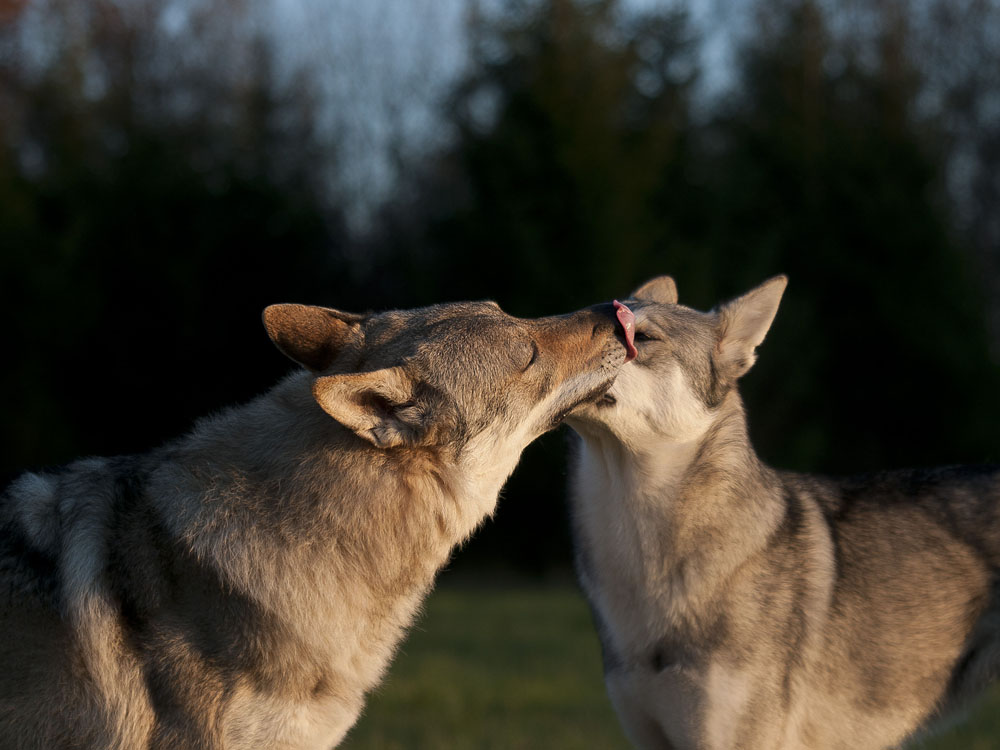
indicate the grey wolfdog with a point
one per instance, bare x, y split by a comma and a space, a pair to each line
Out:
743, 607
246, 585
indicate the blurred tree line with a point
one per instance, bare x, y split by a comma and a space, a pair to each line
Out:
161, 181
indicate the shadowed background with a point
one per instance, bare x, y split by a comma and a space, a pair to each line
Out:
169, 168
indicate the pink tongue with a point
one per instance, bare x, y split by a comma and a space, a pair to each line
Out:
627, 319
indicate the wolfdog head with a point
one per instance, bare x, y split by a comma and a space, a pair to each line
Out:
687, 363
446, 375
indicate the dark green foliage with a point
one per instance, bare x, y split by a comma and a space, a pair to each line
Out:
138, 244
568, 129
133, 301
137, 254
880, 354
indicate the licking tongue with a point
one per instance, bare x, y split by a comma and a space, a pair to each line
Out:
627, 319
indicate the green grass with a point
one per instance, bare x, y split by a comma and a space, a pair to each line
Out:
515, 669
978, 730
519, 668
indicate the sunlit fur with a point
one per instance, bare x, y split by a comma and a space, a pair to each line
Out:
247, 585
743, 607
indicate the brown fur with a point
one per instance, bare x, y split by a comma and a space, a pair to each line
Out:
246, 585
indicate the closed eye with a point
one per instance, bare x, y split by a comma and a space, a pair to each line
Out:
534, 356
642, 336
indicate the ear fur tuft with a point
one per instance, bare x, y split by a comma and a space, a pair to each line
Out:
378, 406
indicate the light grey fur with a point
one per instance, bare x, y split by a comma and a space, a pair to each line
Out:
743, 607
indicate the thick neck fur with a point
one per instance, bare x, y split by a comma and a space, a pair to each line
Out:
667, 522
311, 522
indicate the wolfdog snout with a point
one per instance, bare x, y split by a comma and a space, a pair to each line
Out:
623, 325
608, 341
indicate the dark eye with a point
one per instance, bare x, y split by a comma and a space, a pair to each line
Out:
642, 336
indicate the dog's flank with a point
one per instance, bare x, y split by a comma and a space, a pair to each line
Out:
246, 585
743, 607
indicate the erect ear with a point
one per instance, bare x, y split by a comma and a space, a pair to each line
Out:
312, 336
380, 406
662, 289
743, 323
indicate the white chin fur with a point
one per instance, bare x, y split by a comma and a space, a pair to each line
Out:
648, 407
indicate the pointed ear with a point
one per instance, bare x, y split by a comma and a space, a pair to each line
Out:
379, 406
743, 323
662, 289
312, 336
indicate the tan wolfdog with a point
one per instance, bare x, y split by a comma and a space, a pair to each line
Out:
245, 586
743, 607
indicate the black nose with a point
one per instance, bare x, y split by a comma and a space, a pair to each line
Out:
605, 320
607, 315
604, 309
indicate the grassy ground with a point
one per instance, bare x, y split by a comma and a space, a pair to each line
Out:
518, 668
979, 730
